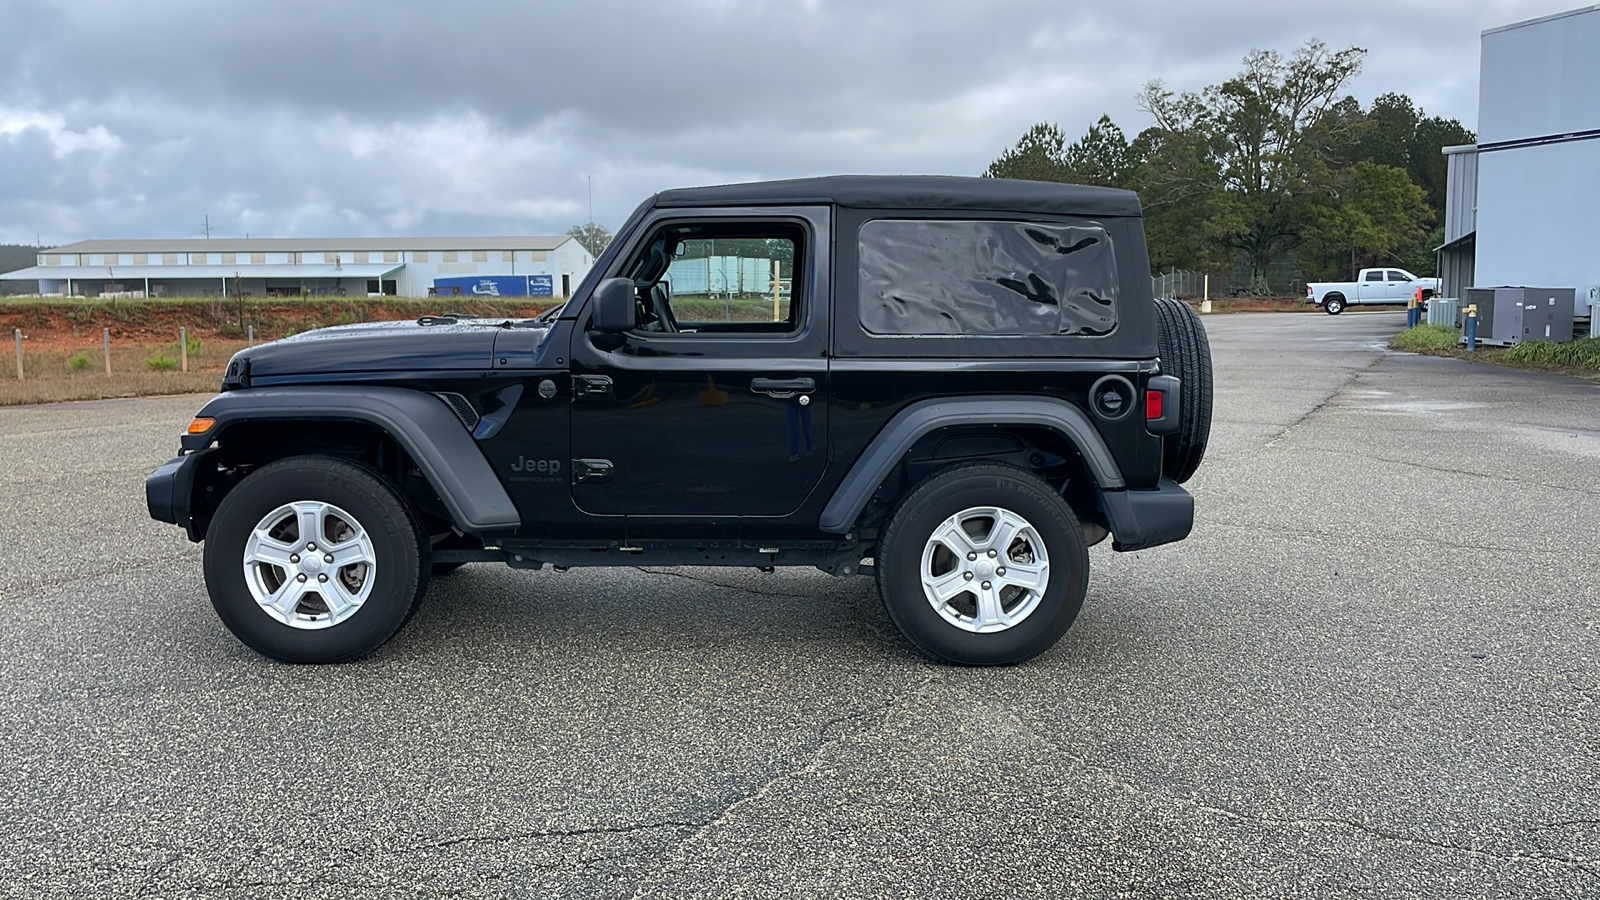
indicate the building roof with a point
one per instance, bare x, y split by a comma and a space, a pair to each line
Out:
311, 245
916, 192
212, 273
1542, 19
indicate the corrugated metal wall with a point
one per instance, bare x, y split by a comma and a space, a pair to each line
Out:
1456, 269
1461, 196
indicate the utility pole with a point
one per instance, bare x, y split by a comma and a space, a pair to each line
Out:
591, 199
207, 226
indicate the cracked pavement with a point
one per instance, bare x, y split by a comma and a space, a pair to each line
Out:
1371, 672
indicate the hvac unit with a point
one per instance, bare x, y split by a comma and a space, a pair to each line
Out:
1515, 315
1444, 311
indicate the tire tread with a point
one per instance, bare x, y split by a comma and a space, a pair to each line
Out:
1183, 345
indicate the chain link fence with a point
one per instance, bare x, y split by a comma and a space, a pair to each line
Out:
1282, 279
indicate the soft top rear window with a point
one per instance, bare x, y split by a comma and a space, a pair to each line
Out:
962, 277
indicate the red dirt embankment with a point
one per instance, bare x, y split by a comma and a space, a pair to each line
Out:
68, 326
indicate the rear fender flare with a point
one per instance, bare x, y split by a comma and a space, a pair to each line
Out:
919, 419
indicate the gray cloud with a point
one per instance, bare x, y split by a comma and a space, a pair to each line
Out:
300, 118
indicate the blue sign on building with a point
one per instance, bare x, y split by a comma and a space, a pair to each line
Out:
541, 286
488, 285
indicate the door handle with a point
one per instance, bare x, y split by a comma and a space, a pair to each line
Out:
584, 385
783, 388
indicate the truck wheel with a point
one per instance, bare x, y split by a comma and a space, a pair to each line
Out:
1185, 352
982, 565
1334, 304
315, 559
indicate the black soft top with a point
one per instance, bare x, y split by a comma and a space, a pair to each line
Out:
915, 192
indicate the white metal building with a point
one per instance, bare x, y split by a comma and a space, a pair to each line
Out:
262, 267
1524, 202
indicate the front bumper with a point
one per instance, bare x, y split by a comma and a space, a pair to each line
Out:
169, 492
1142, 519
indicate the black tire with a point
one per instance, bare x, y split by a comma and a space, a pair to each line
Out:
1333, 304
400, 569
1185, 352
946, 493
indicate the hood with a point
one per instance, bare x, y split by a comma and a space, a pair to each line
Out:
406, 346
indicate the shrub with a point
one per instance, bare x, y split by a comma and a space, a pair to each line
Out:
161, 362
1426, 337
1584, 354
80, 362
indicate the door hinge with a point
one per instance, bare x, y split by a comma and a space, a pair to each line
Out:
591, 470
584, 385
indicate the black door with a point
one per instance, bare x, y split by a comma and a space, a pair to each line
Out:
714, 407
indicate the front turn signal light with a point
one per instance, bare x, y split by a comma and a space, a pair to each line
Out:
201, 424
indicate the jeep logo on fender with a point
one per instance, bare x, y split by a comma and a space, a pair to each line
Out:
542, 466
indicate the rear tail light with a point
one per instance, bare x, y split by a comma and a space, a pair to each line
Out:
1153, 404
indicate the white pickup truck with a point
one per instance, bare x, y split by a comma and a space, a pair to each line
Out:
1374, 286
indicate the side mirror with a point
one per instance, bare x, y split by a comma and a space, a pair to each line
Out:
615, 309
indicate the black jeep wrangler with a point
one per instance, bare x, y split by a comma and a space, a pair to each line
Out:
954, 384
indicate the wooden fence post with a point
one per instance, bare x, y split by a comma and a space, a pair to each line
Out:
105, 334
183, 347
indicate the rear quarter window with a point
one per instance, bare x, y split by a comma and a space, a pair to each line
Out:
959, 277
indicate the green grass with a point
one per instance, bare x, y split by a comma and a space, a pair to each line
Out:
161, 362
1584, 354
690, 308
1426, 337
80, 362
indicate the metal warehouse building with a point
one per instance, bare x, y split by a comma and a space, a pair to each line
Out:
1524, 202
262, 267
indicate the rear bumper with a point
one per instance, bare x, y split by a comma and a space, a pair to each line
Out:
169, 490
1141, 519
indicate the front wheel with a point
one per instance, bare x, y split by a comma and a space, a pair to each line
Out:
1333, 305
982, 565
315, 559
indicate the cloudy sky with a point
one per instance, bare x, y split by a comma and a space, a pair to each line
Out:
295, 118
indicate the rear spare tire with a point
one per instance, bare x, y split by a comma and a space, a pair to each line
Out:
1185, 352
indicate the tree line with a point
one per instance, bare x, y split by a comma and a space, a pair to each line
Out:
1274, 171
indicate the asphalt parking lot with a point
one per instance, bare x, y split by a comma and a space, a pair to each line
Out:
1372, 671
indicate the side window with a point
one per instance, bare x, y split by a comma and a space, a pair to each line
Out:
1397, 276
1375, 275
959, 277
715, 278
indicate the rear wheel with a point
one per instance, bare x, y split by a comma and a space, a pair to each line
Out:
982, 564
315, 559
1186, 353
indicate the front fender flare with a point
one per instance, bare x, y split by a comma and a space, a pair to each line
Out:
420, 423
919, 419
